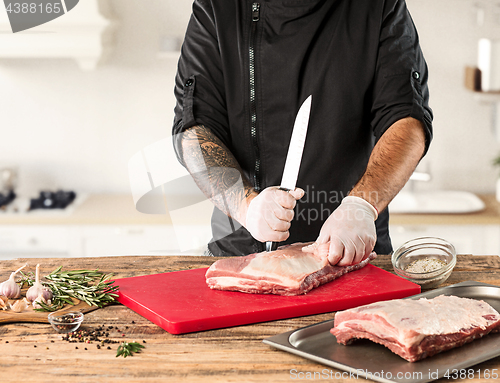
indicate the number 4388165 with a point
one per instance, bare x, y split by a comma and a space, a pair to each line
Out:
34, 8
471, 374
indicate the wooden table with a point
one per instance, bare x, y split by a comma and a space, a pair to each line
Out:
35, 352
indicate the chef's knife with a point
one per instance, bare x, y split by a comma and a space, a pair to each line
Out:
294, 155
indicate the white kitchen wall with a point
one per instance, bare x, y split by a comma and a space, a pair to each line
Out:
64, 128
463, 147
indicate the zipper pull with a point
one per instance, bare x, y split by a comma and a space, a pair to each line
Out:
255, 12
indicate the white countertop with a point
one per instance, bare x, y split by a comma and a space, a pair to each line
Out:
94, 209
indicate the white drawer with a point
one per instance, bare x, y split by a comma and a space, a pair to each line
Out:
108, 240
35, 239
467, 239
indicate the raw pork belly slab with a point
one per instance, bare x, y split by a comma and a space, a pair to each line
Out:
417, 329
286, 271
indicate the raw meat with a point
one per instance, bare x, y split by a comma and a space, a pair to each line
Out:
290, 270
417, 329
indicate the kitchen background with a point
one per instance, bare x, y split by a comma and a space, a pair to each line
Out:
64, 127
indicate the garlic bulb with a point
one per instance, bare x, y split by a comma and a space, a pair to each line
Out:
38, 289
10, 288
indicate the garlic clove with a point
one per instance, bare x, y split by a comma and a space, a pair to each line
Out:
42, 299
3, 299
18, 306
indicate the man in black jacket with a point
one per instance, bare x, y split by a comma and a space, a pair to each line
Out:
245, 69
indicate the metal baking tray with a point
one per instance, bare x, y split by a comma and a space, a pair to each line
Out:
368, 360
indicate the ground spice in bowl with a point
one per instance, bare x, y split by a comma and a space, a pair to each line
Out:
425, 265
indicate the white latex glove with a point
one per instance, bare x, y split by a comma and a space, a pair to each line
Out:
270, 213
350, 229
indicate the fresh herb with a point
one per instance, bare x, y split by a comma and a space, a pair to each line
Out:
128, 348
90, 286
496, 161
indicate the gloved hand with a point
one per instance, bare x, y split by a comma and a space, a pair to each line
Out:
350, 229
269, 214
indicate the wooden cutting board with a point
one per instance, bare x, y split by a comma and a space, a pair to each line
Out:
30, 315
181, 302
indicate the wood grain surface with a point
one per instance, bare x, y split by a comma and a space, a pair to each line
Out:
35, 352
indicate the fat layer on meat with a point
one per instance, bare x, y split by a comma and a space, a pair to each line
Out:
416, 329
290, 270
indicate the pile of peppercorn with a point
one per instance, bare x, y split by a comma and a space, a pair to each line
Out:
89, 336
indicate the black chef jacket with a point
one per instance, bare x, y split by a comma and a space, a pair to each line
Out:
247, 66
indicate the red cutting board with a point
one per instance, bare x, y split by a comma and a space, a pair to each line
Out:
181, 302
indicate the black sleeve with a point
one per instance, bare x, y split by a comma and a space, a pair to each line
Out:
199, 84
400, 86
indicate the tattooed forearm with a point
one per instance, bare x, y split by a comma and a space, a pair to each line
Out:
216, 172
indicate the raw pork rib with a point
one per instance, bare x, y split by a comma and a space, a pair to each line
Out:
286, 271
417, 329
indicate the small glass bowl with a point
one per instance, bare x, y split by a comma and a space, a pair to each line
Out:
66, 322
421, 248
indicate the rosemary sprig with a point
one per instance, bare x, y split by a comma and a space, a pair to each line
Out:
90, 286
128, 348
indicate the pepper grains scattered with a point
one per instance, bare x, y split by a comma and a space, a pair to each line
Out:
89, 336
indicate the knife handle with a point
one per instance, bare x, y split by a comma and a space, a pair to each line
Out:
271, 246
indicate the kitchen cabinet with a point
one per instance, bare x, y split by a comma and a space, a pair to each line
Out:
473, 233
114, 240
493, 99
110, 225
467, 239
33, 240
98, 240
105, 240
82, 34
101, 225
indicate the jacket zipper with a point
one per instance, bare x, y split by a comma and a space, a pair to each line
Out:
253, 101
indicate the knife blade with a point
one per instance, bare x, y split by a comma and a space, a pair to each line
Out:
294, 155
